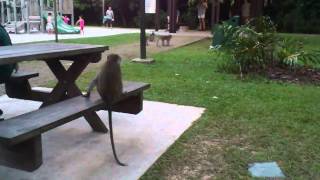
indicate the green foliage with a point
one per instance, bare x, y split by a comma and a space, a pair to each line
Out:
80, 6
296, 15
292, 54
189, 18
251, 45
254, 47
150, 20
251, 121
193, 2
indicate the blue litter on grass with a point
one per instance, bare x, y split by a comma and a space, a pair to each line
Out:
266, 170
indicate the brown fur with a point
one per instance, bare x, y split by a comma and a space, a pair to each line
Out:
109, 80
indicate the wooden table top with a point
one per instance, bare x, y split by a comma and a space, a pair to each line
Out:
42, 51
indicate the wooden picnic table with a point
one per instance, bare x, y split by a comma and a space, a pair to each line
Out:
52, 53
21, 136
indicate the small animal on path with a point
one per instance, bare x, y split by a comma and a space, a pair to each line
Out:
109, 86
152, 36
164, 38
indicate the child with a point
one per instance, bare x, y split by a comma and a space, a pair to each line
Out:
66, 19
81, 24
49, 26
202, 7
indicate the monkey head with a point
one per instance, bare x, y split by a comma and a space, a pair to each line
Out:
113, 59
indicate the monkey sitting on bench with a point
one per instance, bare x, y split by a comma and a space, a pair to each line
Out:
109, 86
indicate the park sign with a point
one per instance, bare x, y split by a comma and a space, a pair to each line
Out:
150, 6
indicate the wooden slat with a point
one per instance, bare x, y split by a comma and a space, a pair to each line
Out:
42, 51
23, 75
130, 88
31, 124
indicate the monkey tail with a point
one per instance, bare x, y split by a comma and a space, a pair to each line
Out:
111, 137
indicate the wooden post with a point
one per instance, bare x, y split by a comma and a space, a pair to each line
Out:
55, 20
15, 16
157, 16
143, 50
213, 11
173, 16
42, 27
72, 15
8, 11
103, 11
256, 8
26, 155
217, 11
2, 12
27, 14
22, 10
260, 4
58, 5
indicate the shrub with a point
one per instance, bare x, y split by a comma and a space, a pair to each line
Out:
255, 47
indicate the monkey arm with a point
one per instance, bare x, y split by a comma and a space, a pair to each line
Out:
16, 67
91, 86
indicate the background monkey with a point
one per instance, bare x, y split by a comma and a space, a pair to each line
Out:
164, 38
109, 86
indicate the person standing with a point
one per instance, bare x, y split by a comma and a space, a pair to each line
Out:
49, 25
202, 7
81, 24
177, 20
109, 17
65, 19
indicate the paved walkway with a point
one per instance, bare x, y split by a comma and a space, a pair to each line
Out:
73, 151
93, 32
89, 32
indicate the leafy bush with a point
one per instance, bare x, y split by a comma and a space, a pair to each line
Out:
300, 16
255, 47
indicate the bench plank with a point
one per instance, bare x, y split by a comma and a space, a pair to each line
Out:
23, 75
26, 126
46, 51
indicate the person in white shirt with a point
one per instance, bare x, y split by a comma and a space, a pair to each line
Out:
109, 17
202, 7
49, 25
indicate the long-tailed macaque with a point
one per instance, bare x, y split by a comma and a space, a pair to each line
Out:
108, 80
109, 86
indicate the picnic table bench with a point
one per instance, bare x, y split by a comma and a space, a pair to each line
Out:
20, 136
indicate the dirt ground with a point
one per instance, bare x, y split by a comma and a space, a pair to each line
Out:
127, 52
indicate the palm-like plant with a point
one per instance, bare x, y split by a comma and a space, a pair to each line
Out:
256, 47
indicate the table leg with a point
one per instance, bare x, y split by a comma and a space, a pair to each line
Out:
26, 155
66, 87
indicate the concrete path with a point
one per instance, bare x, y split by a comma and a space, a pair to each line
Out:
95, 32
89, 32
74, 152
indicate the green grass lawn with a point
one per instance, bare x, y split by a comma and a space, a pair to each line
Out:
246, 121
107, 40
310, 41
